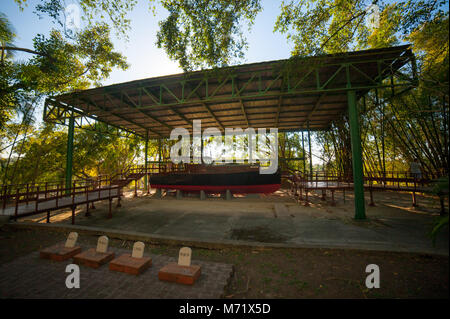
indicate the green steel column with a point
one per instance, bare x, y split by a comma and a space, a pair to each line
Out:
358, 181
310, 153
146, 161
69, 155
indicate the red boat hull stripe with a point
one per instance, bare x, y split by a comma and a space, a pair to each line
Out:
236, 189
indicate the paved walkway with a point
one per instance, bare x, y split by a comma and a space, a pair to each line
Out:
32, 277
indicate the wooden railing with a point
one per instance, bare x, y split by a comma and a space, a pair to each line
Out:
392, 181
15, 194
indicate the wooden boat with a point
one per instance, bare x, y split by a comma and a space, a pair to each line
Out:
239, 179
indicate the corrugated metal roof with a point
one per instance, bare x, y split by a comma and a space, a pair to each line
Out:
287, 94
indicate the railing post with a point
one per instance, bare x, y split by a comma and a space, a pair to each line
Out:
119, 194
110, 201
28, 190
93, 189
17, 204
306, 197
333, 203
5, 197
57, 194
73, 193
87, 200
73, 203
69, 154
37, 199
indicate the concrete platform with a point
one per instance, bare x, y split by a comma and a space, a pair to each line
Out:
272, 221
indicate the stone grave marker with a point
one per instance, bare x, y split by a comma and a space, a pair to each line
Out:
182, 272
133, 264
71, 240
184, 256
95, 257
138, 250
62, 251
102, 244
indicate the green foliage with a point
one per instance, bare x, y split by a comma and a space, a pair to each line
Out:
44, 155
65, 65
198, 34
91, 11
322, 26
58, 65
440, 223
290, 146
6, 38
441, 185
431, 46
395, 127
386, 35
6, 30
205, 33
317, 27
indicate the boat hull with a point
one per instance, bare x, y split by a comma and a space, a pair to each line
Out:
237, 183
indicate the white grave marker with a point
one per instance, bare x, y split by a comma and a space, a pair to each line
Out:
102, 244
184, 257
71, 240
138, 250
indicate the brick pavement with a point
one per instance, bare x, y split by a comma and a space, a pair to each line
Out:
32, 277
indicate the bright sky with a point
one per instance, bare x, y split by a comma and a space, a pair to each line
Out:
145, 59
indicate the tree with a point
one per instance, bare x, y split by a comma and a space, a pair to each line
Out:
198, 34
58, 63
322, 26
394, 128
6, 37
111, 12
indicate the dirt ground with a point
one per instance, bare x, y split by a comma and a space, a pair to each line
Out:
286, 273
